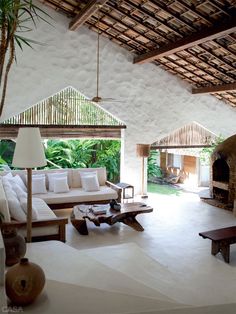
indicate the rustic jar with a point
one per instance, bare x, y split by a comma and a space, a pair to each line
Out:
15, 246
24, 282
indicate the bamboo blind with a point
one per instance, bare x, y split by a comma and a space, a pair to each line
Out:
66, 108
189, 135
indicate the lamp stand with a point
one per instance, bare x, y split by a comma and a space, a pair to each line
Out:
29, 204
142, 186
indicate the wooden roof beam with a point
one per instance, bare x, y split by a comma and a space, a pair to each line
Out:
215, 89
188, 42
91, 8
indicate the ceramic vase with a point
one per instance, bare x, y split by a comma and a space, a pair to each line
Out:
15, 246
24, 282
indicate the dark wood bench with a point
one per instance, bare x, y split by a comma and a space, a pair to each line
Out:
221, 240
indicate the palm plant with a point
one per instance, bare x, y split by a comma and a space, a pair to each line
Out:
153, 169
14, 18
85, 153
6, 152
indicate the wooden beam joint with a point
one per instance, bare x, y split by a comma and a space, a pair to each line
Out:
91, 8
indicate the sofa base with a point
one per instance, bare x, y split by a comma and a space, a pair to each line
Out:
59, 222
71, 205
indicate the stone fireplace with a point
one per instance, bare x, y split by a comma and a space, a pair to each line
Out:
223, 173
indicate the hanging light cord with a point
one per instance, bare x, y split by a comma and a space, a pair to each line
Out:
98, 48
98, 56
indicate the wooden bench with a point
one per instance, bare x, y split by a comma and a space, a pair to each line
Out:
221, 240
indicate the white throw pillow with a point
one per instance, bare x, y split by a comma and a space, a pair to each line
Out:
19, 191
17, 179
61, 185
8, 176
6, 183
88, 173
23, 203
16, 211
52, 176
9, 191
39, 185
90, 183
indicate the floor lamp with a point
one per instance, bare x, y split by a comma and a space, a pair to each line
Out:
29, 153
143, 151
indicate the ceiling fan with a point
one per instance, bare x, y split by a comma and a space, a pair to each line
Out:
98, 99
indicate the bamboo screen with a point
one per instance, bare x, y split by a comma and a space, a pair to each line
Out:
189, 135
68, 107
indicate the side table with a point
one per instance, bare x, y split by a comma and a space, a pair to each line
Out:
127, 190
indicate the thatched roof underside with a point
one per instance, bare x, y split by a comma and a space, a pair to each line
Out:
65, 114
193, 39
189, 136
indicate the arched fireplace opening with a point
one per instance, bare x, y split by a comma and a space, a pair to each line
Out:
220, 171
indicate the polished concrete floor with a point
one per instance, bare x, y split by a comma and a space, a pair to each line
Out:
171, 240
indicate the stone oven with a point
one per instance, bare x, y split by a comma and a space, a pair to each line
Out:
223, 173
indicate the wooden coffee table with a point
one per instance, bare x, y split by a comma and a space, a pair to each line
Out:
126, 215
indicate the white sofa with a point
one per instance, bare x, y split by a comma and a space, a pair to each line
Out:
3, 302
76, 193
47, 226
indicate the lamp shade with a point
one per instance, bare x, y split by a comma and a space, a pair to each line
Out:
143, 150
29, 152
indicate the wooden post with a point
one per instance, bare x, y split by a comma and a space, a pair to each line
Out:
142, 187
142, 151
29, 204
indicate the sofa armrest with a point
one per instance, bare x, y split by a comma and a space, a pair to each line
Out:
116, 188
60, 222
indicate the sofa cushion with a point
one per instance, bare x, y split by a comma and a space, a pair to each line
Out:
38, 185
76, 179
46, 171
60, 185
16, 211
89, 181
79, 195
18, 180
4, 209
24, 205
43, 211
52, 176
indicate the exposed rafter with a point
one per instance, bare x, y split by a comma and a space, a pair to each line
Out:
85, 14
144, 25
188, 42
214, 89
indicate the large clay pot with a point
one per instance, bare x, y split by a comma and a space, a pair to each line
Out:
15, 246
24, 282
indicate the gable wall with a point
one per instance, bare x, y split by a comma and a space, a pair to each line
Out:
156, 102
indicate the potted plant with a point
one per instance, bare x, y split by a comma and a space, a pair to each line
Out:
15, 16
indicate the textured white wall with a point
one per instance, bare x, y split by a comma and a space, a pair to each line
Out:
156, 102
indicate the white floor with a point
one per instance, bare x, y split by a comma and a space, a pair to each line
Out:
179, 261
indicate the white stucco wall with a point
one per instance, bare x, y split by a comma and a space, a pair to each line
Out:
156, 102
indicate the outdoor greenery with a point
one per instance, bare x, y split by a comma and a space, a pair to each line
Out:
6, 152
164, 189
205, 154
85, 153
153, 169
75, 154
15, 16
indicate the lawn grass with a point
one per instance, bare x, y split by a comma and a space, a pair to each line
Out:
164, 189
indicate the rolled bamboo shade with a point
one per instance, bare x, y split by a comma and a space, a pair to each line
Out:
143, 150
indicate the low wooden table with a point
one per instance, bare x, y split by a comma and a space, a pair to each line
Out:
126, 215
221, 241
